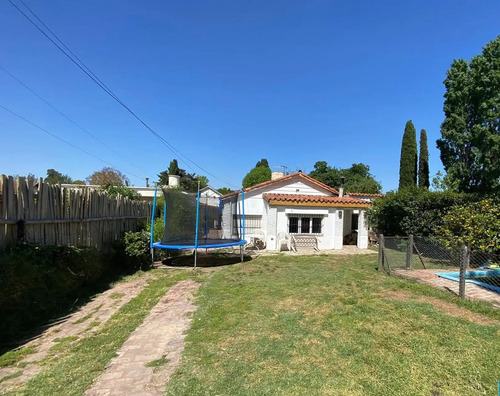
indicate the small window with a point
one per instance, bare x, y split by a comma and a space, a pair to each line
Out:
305, 225
293, 225
253, 224
316, 225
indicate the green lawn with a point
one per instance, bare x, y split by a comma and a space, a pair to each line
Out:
321, 326
317, 325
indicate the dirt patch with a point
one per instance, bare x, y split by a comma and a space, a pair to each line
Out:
443, 306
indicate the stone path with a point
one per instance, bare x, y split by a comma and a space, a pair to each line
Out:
148, 358
429, 277
88, 319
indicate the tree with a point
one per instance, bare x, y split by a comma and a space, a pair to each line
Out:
108, 176
55, 177
262, 162
423, 161
257, 175
173, 168
470, 132
163, 178
357, 178
114, 190
203, 180
408, 160
224, 190
188, 181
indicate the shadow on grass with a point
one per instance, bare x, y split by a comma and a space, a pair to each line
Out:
82, 296
205, 260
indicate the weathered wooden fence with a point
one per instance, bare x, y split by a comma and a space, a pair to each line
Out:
51, 215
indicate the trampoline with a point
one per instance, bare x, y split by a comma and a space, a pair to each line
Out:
192, 222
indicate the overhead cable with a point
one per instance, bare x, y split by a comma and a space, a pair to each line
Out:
70, 55
66, 142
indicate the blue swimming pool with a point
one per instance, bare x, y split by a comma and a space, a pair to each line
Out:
489, 279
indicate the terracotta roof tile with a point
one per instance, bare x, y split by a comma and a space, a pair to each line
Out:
314, 199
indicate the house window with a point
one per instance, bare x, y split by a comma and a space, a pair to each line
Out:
316, 225
253, 224
305, 223
293, 225
310, 224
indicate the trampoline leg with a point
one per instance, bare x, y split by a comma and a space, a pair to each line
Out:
241, 252
152, 255
195, 257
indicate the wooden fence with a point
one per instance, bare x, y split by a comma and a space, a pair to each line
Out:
52, 215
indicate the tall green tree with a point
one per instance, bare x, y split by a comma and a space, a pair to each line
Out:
357, 178
262, 162
423, 161
173, 168
408, 160
470, 132
55, 177
257, 175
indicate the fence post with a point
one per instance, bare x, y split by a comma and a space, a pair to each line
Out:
464, 263
381, 247
409, 252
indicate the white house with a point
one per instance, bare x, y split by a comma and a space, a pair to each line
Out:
210, 196
298, 209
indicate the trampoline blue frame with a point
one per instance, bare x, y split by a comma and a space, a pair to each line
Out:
159, 245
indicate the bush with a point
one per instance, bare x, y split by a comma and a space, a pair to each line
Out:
115, 190
475, 224
413, 211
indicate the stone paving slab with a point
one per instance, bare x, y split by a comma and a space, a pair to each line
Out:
78, 324
160, 336
429, 277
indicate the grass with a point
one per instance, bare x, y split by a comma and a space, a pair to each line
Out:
158, 362
321, 325
12, 357
72, 370
283, 325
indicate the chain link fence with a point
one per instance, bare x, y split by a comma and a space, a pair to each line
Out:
430, 261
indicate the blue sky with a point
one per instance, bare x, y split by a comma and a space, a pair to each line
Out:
230, 82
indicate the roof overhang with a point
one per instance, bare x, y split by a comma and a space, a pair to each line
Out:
345, 205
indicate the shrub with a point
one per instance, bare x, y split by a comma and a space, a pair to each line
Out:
413, 211
476, 224
114, 190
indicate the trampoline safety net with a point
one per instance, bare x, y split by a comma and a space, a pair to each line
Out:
215, 221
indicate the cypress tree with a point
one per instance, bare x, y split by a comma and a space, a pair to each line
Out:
408, 161
423, 161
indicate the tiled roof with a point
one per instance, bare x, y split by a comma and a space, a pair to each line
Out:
365, 195
284, 178
322, 200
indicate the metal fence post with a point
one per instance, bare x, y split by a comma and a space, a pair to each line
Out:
380, 252
464, 263
409, 252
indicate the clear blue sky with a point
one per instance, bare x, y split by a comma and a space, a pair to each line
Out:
231, 82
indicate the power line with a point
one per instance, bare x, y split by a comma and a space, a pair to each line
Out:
70, 55
69, 119
65, 141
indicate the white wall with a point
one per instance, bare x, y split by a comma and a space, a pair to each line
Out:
275, 218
